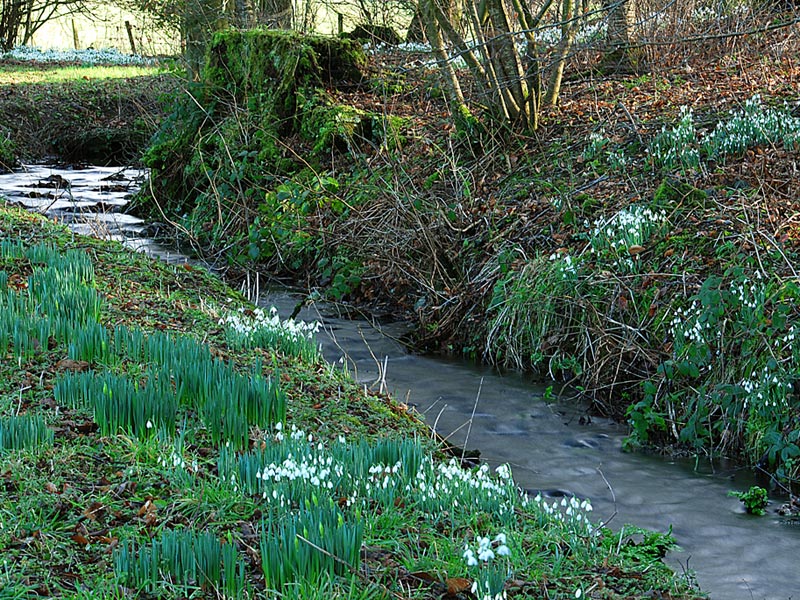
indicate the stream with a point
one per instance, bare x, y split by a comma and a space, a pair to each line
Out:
552, 446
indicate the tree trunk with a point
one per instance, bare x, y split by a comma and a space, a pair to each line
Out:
619, 36
276, 14
430, 24
569, 28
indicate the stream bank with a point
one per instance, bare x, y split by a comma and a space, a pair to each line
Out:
158, 480
556, 449
663, 288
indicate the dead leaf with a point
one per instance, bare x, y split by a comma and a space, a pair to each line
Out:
635, 249
457, 585
67, 364
94, 511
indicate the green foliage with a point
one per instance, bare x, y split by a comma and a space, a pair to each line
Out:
311, 546
755, 500
280, 230
24, 432
619, 238
532, 306
641, 545
120, 404
750, 320
183, 558
8, 153
218, 161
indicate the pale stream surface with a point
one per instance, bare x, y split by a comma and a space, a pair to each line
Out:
551, 449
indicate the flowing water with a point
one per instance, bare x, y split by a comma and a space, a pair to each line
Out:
553, 447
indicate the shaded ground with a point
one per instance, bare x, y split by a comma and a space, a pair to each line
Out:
74, 114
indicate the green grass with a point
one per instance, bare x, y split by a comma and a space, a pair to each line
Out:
346, 498
22, 74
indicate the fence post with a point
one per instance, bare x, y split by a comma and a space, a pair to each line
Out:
130, 36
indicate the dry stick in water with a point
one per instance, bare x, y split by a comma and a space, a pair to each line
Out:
471, 418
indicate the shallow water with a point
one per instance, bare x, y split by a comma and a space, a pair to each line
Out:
90, 200
552, 449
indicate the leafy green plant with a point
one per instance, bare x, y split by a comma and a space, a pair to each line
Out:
755, 500
530, 305
24, 432
185, 558
311, 546
750, 320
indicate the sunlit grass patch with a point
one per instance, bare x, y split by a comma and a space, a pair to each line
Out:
22, 74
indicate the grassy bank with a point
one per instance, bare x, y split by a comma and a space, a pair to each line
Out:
160, 438
79, 112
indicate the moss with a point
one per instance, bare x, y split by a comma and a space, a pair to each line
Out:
222, 148
342, 127
276, 66
674, 192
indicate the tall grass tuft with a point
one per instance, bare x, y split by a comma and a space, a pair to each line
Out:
24, 432
184, 558
312, 546
119, 404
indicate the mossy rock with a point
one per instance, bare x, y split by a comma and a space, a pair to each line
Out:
341, 127
673, 192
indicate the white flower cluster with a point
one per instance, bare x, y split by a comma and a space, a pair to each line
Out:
108, 56
676, 147
566, 266
572, 513
749, 296
689, 327
449, 485
631, 226
765, 389
249, 322
597, 144
751, 126
550, 35
487, 549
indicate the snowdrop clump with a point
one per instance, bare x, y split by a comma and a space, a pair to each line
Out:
289, 470
690, 327
765, 390
257, 328
572, 513
491, 577
86, 57
630, 227
676, 147
565, 265
751, 126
